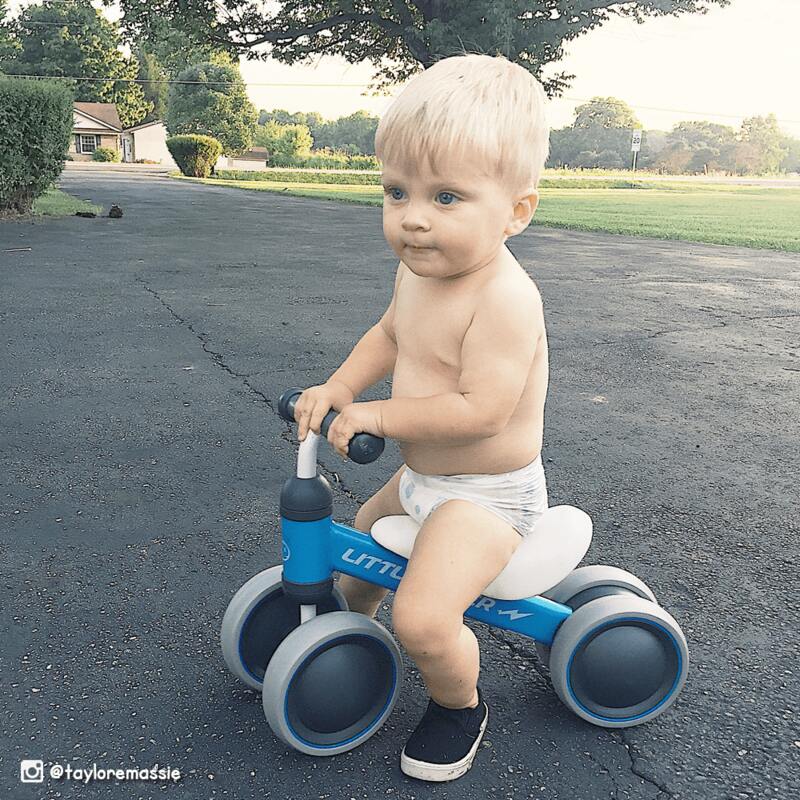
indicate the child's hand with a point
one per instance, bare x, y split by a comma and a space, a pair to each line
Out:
315, 402
355, 418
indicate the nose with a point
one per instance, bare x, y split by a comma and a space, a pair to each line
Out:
415, 219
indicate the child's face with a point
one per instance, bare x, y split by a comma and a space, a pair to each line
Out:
460, 215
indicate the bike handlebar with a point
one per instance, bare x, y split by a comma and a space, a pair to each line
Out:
363, 448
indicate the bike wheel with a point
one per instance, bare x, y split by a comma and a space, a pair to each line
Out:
588, 583
258, 618
332, 683
619, 661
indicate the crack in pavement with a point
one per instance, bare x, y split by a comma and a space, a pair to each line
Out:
496, 633
617, 735
218, 359
635, 769
203, 339
604, 770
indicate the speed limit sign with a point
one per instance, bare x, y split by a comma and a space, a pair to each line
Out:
636, 142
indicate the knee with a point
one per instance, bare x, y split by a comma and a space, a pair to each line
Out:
423, 629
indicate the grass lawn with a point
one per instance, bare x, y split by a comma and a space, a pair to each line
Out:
55, 203
739, 215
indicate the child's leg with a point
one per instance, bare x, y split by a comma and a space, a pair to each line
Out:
361, 596
460, 549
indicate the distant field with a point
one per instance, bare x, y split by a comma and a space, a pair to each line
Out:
743, 216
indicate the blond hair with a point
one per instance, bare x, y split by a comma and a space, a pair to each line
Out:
473, 103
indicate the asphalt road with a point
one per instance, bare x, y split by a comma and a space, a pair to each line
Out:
142, 458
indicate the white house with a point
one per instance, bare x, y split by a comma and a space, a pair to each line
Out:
147, 141
94, 125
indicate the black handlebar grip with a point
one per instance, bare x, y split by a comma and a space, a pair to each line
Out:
363, 448
287, 402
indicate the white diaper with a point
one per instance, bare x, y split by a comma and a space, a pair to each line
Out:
519, 497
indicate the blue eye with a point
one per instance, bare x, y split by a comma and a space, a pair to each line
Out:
392, 191
447, 202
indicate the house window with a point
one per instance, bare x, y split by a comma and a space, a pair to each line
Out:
87, 143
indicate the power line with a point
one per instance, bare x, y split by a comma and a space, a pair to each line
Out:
678, 110
205, 83
361, 86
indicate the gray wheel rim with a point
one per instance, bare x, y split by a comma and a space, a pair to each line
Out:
303, 644
583, 578
589, 577
594, 618
239, 608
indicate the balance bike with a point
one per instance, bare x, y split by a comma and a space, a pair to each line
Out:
329, 677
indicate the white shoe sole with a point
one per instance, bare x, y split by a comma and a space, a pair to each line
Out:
442, 772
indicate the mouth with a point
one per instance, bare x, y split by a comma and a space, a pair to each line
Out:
414, 247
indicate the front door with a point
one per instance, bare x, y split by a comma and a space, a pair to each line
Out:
126, 149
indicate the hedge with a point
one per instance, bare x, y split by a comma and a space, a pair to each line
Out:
195, 155
325, 159
282, 176
35, 132
105, 154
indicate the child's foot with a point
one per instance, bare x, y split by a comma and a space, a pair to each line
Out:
444, 744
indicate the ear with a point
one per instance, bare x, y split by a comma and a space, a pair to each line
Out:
524, 208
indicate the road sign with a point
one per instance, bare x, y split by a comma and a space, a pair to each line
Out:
636, 142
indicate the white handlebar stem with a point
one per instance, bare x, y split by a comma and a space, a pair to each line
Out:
307, 456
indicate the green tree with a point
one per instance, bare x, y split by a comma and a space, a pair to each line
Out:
211, 100
284, 140
163, 52
764, 134
154, 83
399, 36
599, 137
708, 144
7, 43
71, 38
791, 161
172, 47
310, 119
354, 134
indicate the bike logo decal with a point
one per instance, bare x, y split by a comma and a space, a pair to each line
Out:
368, 562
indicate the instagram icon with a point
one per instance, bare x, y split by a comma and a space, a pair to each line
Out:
31, 771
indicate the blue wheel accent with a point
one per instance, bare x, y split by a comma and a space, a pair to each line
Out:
618, 661
325, 707
602, 686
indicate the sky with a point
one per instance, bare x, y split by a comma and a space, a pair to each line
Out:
732, 63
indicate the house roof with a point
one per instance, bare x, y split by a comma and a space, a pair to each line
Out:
145, 125
254, 154
101, 112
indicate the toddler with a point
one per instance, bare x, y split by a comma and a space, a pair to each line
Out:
462, 149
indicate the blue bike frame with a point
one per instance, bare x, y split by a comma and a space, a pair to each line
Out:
313, 550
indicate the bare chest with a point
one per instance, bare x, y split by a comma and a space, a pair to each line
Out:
430, 325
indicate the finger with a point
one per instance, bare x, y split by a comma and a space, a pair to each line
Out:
333, 432
316, 421
302, 423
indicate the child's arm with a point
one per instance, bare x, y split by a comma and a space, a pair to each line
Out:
375, 354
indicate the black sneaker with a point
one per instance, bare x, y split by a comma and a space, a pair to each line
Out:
445, 742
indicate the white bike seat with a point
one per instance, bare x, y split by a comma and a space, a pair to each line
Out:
544, 557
